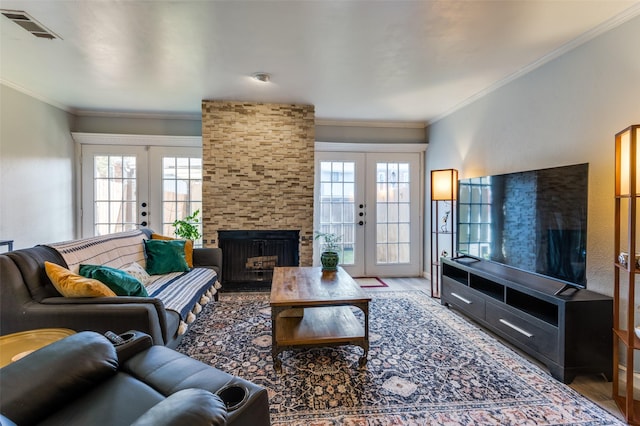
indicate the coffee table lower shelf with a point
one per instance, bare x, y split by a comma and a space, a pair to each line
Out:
319, 326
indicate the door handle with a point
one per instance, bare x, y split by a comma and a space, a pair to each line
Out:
361, 223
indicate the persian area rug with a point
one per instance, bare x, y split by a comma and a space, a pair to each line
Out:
368, 282
427, 366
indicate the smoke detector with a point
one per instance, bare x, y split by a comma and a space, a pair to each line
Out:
30, 24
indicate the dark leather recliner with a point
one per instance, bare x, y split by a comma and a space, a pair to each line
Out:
84, 380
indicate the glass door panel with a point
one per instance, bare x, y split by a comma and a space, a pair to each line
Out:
182, 190
114, 189
393, 238
394, 243
179, 174
115, 205
339, 202
337, 205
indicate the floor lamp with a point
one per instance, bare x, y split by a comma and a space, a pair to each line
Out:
627, 269
444, 187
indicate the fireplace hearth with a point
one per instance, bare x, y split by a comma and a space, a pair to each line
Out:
250, 256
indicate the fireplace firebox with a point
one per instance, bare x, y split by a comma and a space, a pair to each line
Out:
250, 256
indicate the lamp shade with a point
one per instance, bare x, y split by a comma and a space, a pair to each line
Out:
444, 184
628, 161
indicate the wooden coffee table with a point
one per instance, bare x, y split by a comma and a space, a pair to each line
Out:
310, 308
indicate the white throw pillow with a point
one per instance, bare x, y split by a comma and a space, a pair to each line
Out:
138, 272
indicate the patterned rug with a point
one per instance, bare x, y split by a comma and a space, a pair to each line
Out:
427, 366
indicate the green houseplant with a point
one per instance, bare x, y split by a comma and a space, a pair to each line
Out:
186, 228
329, 257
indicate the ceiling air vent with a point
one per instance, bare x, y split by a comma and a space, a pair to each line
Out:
28, 23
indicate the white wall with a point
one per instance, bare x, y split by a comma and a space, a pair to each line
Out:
370, 133
565, 112
37, 202
138, 125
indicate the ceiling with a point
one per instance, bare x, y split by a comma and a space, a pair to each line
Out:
355, 60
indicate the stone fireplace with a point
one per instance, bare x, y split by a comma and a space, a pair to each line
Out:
258, 170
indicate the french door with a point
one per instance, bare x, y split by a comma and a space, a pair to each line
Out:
372, 200
124, 187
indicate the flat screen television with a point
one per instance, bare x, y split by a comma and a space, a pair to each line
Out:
534, 221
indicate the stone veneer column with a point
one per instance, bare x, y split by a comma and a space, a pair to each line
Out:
258, 169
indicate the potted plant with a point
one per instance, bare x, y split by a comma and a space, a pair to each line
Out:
329, 257
186, 228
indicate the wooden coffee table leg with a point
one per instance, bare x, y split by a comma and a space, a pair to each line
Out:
275, 350
277, 364
362, 361
365, 309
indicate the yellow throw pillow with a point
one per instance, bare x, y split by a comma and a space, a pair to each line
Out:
188, 247
69, 284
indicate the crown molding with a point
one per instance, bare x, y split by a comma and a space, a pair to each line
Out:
607, 25
95, 113
37, 96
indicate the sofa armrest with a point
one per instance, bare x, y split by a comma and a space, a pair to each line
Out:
116, 300
39, 384
209, 258
169, 371
193, 407
134, 342
100, 314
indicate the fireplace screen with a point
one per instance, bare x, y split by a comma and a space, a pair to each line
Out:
250, 256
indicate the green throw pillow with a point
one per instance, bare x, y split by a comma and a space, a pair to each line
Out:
119, 281
164, 256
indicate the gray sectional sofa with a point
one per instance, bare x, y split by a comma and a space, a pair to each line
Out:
29, 300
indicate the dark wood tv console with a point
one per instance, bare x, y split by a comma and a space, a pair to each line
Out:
570, 332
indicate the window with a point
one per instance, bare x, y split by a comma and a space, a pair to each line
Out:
475, 217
